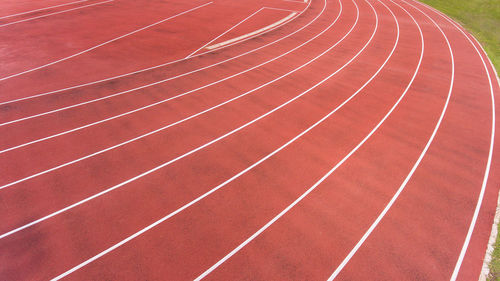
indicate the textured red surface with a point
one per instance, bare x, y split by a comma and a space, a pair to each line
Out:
420, 237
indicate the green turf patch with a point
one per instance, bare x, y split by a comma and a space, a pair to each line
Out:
482, 19
495, 262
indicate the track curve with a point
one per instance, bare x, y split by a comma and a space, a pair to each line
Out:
356, 141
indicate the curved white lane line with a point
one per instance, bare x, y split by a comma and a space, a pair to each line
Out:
300, 198
164, 64
102, 44
196, 149
42, 9
492, 144
415, 166
167, 126
200, 197
55, 13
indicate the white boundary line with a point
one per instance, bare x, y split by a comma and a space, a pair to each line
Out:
55, 13
156, 66
138, 88
234, 26
164, 127
197, 199
253, 33
280, 9
198, 148
296, 1
42, 9
102, 44
492, 142
415, 166
300, 198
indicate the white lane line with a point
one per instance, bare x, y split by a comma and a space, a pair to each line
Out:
42, 9
172, 124
192, 202
415, 166
472, 225
305, 194
234, 26
280, 9
239, 38
196, 149
102, 44
55, 13
138, 88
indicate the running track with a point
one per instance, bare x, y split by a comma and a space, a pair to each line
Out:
355, 140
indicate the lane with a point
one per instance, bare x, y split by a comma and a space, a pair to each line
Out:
13, 61
469, 262
223, 226
141, 53
402, 187
10, 158
18, 8
156, 90
17, 113
291, 111
43, 148
41, 9
370, 268
460, 156
54, 13
195, 136
295, 264
450, 186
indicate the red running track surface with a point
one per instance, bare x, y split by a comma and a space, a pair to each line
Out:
355, 141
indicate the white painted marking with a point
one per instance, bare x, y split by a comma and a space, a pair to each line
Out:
55, 13
100, 45
42, 9
282, 213
415, 166
134, 89
234, 26
280, 9
296, 1
194, 150
230, 41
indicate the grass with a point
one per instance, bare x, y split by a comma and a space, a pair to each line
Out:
482, 19
495, 262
